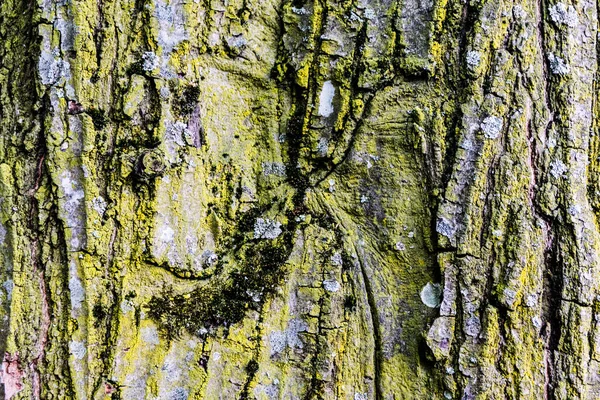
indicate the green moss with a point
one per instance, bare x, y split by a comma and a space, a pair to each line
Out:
99, 118
187, 101
224, 299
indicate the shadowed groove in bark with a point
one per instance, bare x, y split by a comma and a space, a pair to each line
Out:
378, 350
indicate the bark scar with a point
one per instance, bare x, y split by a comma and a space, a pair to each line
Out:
12, 375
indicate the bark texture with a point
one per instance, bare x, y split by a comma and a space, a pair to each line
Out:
305, 199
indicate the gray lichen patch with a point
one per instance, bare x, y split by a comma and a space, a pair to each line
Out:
265, 228
331, 285
3, 233
171, 24
99, 205
273, 168
558, 65
149, 335
473, 58
491, 127
562, 14
76, 290
77, 349
431, 295
558, 169
446, 228
150, 61
280, 340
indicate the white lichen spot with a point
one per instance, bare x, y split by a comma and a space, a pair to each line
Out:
299, 11
336, 259
411, 234
322, 146
71, 189
278, 342
354, 17
175, 132
213, 39
8, 287
446, 227
562, 14
289, 338
236, 42
326, 99
254, 295
270, 391
519, 12
202, 331
171, 22
400, 246
209, 258
491, 127
2, 234
497, 233
369, 14
150, 335
76, 290
331, 185
296, 326
331, 285
126, 306
99, 205
166, 234
77, 349
531, 300
165, 92
86, 171
431, 295
273, 168
178, 394
558, 169
364, 199
510, 296
72, 210
150, 61
266, 228
52, 68
473, 326
473, 58
574, 209
536, 321
558, 66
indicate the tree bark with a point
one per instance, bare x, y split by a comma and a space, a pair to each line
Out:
305, 199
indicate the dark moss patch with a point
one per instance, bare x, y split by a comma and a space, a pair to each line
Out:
350, 302
185, 103
136, 68
225, 299
252, 367
99, 118
99, 313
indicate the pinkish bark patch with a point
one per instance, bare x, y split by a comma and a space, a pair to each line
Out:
12, 375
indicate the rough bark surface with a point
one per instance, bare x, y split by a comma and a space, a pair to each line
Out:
305, 199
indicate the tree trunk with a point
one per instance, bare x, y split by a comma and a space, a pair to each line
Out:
299, 199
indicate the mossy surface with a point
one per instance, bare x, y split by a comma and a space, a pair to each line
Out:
247, 200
